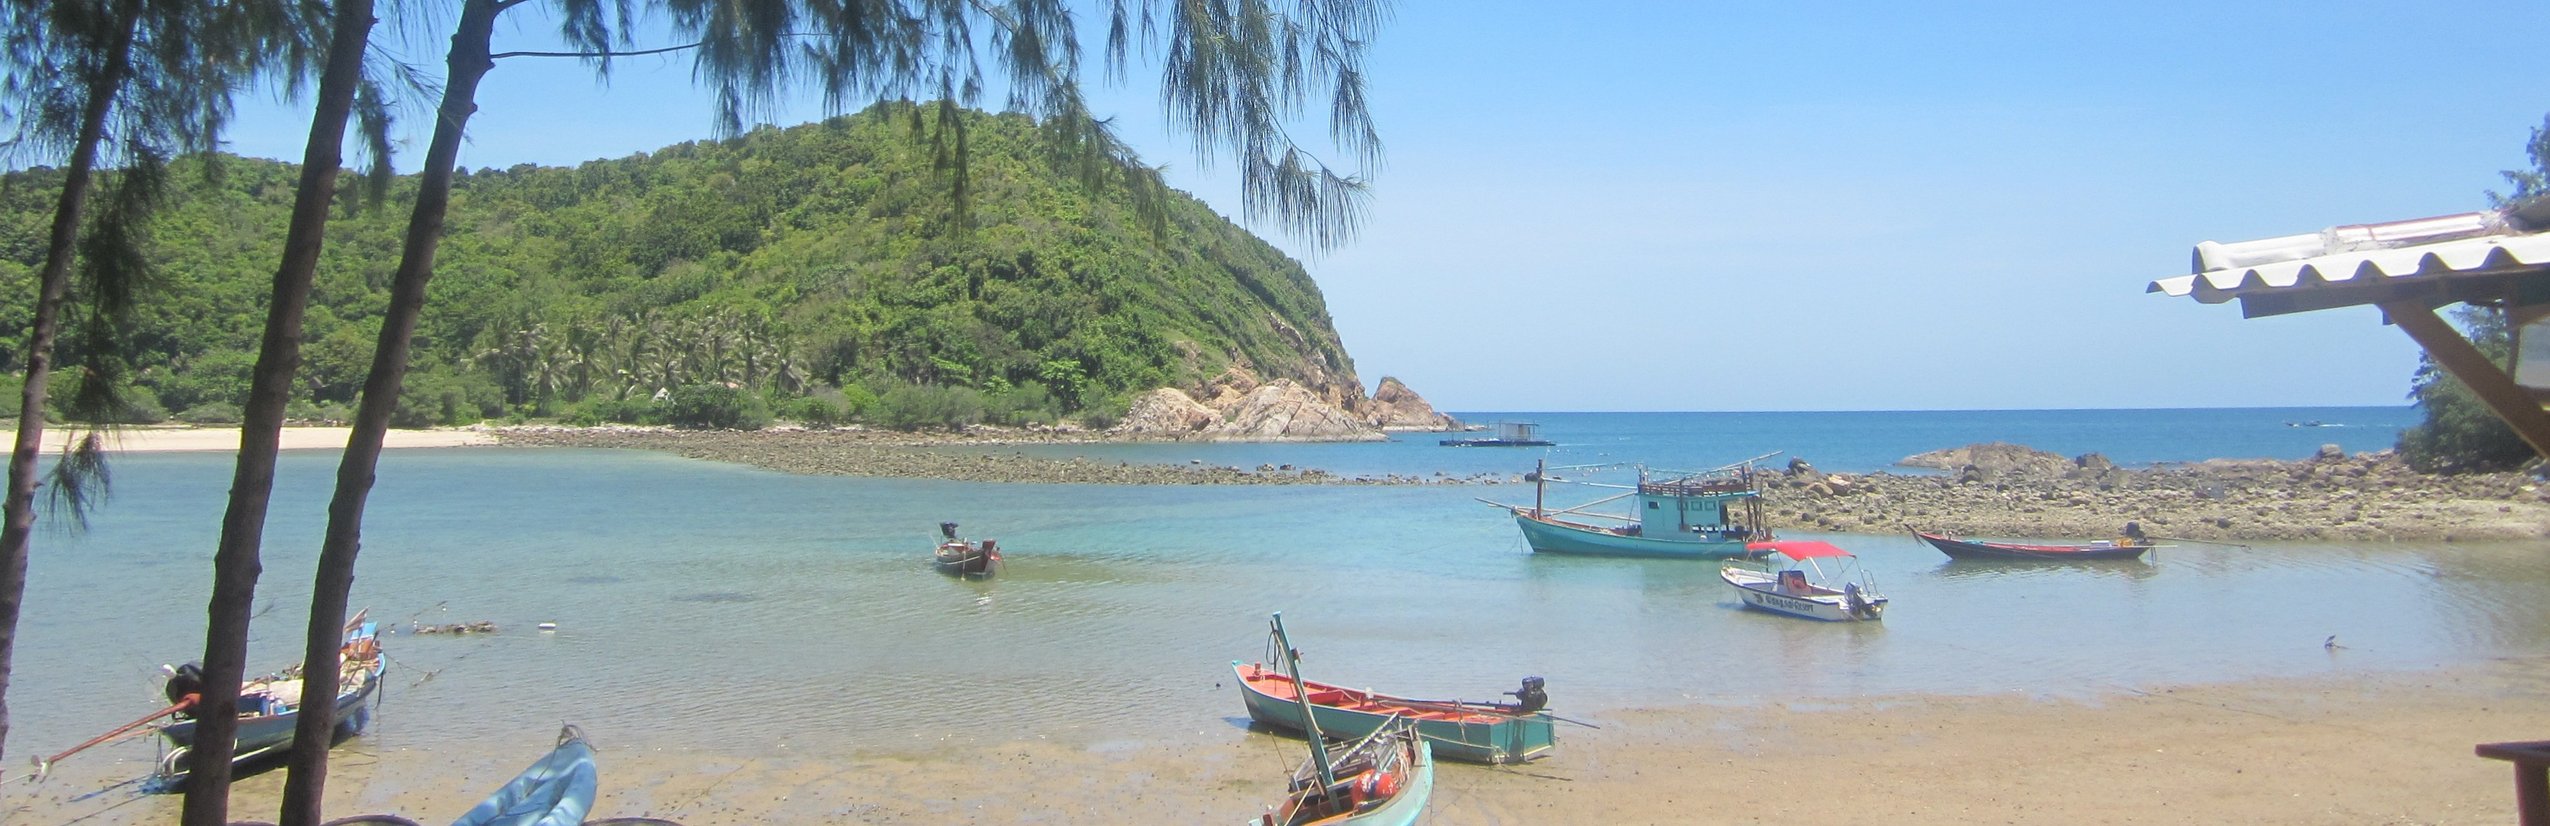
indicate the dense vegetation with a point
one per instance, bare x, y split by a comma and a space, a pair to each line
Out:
2460, 434
822, 269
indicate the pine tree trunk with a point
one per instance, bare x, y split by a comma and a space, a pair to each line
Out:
468, 62
54, 284
235, 563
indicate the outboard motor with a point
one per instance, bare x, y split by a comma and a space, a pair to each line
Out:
948, 529
1530, 697
182, 681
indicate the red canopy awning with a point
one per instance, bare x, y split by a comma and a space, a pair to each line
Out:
1799, 548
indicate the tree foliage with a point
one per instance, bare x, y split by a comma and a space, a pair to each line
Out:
2460, 434
783, 261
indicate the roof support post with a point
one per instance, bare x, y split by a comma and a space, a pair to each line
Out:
2484, 378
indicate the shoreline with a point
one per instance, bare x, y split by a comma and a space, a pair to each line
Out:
2333, 497
2366, 747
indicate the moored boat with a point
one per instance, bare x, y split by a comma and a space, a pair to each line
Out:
270, 706
2129, 547
962, 558
1790, 581
556, 790
1508, 434
1382, 779
1673, 515
1470, 732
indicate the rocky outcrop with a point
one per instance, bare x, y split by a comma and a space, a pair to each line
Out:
1166, 413
1990, 460
2015, 492
1280, 410
1395, 407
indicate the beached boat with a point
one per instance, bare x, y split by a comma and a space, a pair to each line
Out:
961, 558
1382, 779
1674, 515
557, 790
270, 706
1470, 732
1508, 434
2125, 548
1790, 581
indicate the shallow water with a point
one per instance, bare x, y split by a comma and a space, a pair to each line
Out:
729, 608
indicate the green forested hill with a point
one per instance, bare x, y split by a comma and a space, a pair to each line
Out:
787, 261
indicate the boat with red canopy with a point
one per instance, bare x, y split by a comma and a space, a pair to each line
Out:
1791, 579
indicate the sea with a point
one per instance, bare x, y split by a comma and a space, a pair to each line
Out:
700, 605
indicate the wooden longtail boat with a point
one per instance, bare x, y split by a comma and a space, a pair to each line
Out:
1383, 779
1971, 549
1800, 589
557, 790
270, 706
1674, 515
1469, 732
961, 558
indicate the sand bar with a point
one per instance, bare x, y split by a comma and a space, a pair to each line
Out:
163, 439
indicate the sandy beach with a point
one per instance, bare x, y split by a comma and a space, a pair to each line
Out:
2344, 749
163, 439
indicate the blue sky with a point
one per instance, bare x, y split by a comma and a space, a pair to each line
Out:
1805, 206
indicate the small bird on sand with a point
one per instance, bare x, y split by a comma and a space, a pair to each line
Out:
2331, 643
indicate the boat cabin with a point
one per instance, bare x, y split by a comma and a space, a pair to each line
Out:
1722, 506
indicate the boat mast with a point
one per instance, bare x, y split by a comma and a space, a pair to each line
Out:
1540, 484
1301, 697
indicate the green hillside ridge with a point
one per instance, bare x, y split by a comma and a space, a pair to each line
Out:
818, 268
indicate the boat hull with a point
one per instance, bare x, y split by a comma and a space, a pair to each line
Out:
1469, 734
1761, 591
1550, 536
263, 734
557, 790
960, 559
1965, 549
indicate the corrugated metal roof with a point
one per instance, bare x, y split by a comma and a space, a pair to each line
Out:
2359, 264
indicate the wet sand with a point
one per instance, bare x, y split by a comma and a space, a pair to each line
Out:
2342, 749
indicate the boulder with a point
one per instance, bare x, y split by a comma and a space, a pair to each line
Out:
1284, 410
1395, 407
1166, 413
1995, 458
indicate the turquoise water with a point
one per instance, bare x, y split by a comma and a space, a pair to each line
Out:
720, 607
1856, 441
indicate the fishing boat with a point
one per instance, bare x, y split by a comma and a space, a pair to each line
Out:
1470, 732
557, 790
1381, 779
1672, 514
1508, 434
961, 558
2124, 548
270, 706
1789, 580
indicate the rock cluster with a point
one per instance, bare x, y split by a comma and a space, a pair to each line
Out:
2010, 491
1395, 407
1236, 406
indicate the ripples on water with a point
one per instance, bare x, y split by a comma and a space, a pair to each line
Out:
727, 608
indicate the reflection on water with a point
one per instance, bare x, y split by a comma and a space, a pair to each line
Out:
707, 606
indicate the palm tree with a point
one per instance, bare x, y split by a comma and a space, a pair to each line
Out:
157, 75
1236, 68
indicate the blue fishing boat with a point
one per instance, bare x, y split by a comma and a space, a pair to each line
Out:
1672, 515
1383, 779
270, 706
557, 790
1470, 732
